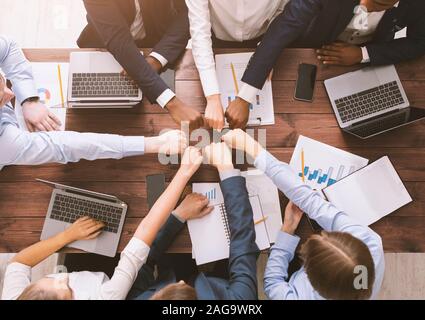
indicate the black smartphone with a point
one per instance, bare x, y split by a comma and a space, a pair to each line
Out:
306, 81
155, 185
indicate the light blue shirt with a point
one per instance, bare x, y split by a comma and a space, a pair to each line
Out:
19, 147
277, 286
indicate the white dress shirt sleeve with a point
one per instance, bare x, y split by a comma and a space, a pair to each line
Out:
165, 97
248, 92
16, 279
133, 257
160, 58
365, 55
17, 69
323, 212
20, 147
200, 30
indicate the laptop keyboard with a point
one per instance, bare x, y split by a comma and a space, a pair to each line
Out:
69, 209
369, 101
103, 85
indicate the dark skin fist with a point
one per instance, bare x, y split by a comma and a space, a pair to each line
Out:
181, 112
340, 53
237, 113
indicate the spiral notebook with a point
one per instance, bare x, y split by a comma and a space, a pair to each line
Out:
210, 235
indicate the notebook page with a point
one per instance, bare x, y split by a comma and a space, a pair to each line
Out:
371, 193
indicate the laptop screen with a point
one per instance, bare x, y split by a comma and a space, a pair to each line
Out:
387, 122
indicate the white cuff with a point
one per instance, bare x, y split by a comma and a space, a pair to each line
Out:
209, 82
365, 54
226, 174
165, 97
248, 93
160, 58
133, 146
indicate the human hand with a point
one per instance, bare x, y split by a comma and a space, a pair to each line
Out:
194, 206
240, 140
340, 53
219, 155
169, 143
292, 218
84, 228
237, 113
38, 117
214, 113
191, 161
180, 112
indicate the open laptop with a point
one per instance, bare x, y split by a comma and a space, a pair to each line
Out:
371, 101
67, 204
95, 81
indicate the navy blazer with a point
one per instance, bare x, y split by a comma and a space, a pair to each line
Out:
242, 281
314, 23
167, 28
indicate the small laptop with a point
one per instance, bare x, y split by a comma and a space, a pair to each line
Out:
371, 101
96, 81
67, 204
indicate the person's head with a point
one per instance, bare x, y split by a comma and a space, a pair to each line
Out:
176, 291
334, 261
5, 93
378, 5
48, 289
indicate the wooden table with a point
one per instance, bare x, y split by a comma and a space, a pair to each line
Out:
23, 202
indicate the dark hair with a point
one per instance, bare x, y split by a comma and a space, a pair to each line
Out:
330, 261
176, 291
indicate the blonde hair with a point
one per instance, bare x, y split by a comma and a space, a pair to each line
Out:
176, 291
34, 292
330, 261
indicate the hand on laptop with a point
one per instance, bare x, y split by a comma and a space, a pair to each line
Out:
292, 219
84, 228
237, 113
240, 140
170, 142
340, 53
214, 114
181, 112
194, 206
38, 117
219, 155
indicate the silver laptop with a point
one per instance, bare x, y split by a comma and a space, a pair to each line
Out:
95, 81
371, 101
68, 204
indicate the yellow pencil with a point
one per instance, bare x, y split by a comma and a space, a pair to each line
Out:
235, 80
60, 86
302, 165
261, 220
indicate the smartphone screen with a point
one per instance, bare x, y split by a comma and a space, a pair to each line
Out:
306, 81
155, 185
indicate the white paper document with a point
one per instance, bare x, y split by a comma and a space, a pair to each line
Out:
51, 88
262, 110
371, 193
323, 165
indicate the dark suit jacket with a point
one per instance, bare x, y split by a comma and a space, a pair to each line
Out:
242, 281
313, 23
167, 30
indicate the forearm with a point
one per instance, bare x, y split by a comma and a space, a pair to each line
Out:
36, 253
152, 223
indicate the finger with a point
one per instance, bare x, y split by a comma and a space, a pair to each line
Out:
95, 228
339, 44
30, 127
205, 201
94, 235
47, 125
336, 63
55, 118
329, 58
52, 123
328, 52
206, 211
82, 219
40, 127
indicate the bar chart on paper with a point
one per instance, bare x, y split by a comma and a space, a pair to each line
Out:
320, 165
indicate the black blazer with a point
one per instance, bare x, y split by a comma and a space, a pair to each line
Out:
313, 23
242, 281
167, 31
